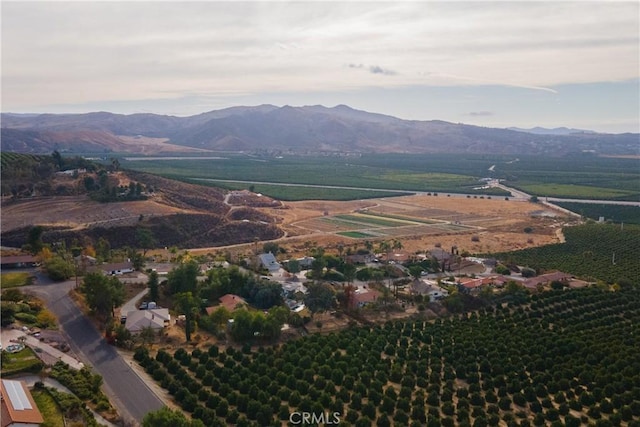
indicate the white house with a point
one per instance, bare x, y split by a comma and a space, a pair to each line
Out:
116, 268
269, 262
156, 318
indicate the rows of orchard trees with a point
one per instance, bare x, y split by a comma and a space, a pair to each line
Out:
558, 358
607, 252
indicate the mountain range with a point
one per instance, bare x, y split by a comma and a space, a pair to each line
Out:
296, 130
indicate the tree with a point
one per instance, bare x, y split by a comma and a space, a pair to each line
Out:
7, 313
103, 294
294, 266
349, 272
415, 271
186, 303
317, 267
145, 240
271, 247
147, 335
220, 316
165, 417
58, 268
103, 249
319, 297
184, 278
385, 247
153, 285
266, 294
57, 158
34, 239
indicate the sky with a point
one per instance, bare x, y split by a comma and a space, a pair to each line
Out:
495, 64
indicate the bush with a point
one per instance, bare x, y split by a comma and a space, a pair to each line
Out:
26, 318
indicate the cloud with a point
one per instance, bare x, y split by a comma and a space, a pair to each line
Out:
208, 47
376, 69
483, 81
480, 113
373, 69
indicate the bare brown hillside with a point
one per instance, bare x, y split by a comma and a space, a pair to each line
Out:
177, 213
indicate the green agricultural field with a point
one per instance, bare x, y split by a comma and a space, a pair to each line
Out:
14, 280
356, 234
553, 357
400, 217
297, 193
572, 176
373, 220
613, 213
575, 191
352, 172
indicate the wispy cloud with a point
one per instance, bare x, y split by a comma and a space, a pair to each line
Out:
373, 69
480, 113
208, 48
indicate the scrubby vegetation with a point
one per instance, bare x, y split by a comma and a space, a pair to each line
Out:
25, 308
85, 385
560, 356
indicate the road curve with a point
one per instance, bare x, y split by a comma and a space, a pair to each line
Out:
130, 395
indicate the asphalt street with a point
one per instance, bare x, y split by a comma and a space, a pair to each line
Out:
131, 396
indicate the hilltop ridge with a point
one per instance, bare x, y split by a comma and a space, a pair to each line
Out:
287, 129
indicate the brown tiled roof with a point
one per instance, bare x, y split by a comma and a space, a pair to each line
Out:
230, 301
17, 404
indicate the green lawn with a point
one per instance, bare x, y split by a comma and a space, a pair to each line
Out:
14, 280
22, 361
48, 407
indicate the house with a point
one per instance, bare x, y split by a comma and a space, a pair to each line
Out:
361, 258
364, 297
471, 284
428, 288
71, 172
17, 405
294, 305
19, 261
156, 318
269, 262
440, 254
544, 279
229, 301
116, 268
85, 260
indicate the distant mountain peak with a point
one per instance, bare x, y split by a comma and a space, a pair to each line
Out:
552, 131
308, 130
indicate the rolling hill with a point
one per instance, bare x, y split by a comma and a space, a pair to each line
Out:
300, 130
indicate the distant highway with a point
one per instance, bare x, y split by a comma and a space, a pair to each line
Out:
516, 194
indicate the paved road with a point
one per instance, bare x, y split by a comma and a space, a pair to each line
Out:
516, 194
131, 396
